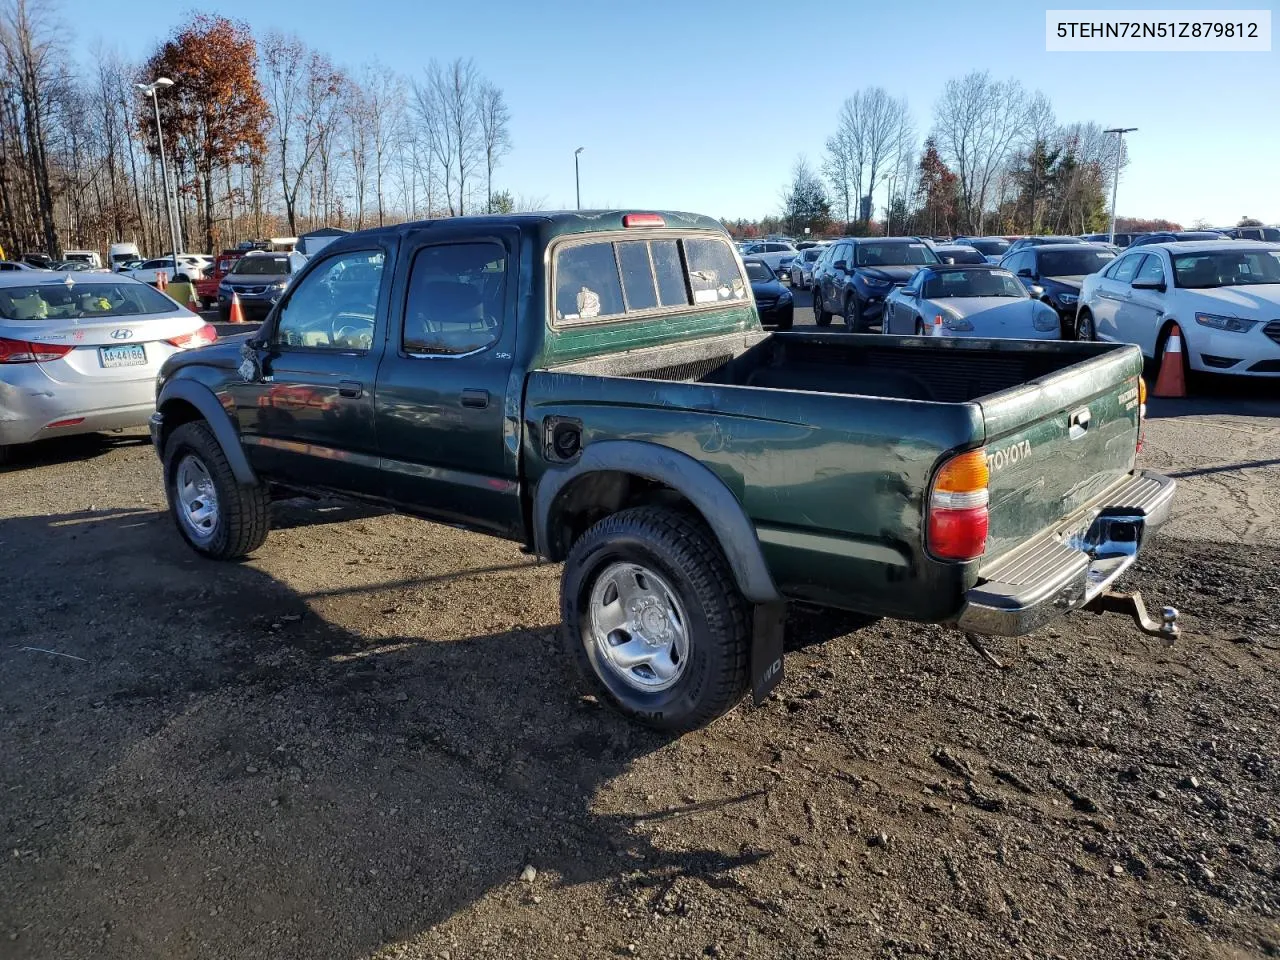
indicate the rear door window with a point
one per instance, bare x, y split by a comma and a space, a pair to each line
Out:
601, 280
713, 271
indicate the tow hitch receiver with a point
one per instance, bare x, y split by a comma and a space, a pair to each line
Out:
1130, 604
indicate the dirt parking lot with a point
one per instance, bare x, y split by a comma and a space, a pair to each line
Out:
356, 743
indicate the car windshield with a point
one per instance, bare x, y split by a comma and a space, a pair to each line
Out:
893, 254
81, 301
1226, 268
261, 266
992, 248
973, 283
1073, 263
757, 271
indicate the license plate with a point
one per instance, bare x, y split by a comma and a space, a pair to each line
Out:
126, 355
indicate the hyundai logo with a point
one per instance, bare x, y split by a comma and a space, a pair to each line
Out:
121, 334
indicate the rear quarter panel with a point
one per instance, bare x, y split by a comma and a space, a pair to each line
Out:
834, 485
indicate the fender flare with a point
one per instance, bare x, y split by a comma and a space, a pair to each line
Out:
203, 399
707, 492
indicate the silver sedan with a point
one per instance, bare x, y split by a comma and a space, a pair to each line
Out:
79, 352
968, 301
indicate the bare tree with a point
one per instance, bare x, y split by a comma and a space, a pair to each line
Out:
358, 115
384, 98
842, 173
864, 148
976, 123
494, 120
302, 89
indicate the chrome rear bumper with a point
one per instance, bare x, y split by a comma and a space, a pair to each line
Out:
1070, 565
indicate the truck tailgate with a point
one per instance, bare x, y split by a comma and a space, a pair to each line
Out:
1056, 443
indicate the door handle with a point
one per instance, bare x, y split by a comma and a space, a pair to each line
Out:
351, 389
1078, 424
478, 399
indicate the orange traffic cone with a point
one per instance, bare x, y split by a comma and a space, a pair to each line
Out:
1171, 382
237, 314
162, 281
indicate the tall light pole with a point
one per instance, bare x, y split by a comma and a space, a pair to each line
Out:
1115, 183
169, 205
577, 179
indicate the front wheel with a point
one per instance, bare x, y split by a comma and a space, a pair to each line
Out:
653, 619
853, 314
218, 516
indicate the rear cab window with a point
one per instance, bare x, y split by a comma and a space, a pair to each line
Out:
600, 279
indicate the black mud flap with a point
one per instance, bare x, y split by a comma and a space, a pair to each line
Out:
766, 649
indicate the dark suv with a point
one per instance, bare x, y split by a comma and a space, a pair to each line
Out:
856, 273
1054, 272
258, 279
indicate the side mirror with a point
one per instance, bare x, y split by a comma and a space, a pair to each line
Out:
1026, 272
1036, 291
1157, 285
841, 265
909, 294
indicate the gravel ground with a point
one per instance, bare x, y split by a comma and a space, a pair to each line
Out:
362, 743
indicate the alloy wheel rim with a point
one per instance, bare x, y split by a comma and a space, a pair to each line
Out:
197, 497
638, 627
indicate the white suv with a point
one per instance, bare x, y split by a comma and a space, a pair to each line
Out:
775, 253
1223, 295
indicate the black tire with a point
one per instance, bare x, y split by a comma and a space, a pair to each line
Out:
919, 327
224, 314
683, 551
787, 323
243, 519
1084, 327
820, 316
853, 313
5, 452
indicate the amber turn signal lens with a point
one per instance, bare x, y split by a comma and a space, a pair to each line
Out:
966, 473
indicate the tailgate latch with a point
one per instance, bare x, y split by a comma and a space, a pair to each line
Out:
1130, 604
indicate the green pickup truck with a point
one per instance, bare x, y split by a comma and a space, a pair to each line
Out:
597, 387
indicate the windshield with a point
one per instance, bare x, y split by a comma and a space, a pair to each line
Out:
757, 271
261, 266
79, 301
893, 254
812, 254
992, 248
973, 283
1073, 263
1226, 268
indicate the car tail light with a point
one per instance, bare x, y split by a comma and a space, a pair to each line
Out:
958, 508
1142, 411
643, 220
201, 338
22, 351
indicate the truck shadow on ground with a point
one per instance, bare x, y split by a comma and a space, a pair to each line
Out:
200, 764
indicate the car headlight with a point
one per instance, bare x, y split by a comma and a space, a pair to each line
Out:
876, 282
224, 285
959, 324
1068, 298
786, 297
1225, 324
1046, 320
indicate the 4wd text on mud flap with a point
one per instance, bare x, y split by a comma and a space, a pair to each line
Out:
1000, 459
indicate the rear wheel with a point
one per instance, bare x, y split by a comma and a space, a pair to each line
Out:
1084, 327
653, 619
919, 327
218, 516
820, 316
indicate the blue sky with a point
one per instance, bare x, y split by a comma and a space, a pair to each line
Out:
704, 104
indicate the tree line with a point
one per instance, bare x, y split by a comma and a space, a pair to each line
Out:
264, 136
995, 160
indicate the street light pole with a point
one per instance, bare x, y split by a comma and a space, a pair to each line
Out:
1115, 183
577, 179
169, 205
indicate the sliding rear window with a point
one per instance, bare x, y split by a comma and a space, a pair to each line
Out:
616, 279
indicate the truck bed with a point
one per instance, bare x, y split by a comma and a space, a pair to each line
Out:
903, 368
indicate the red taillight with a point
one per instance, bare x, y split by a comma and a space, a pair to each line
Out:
643, 220
201, 338
22, 351
74, 421
958, 508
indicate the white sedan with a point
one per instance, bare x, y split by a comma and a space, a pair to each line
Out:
1223, 295
79, 352
968, 300
189, 265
